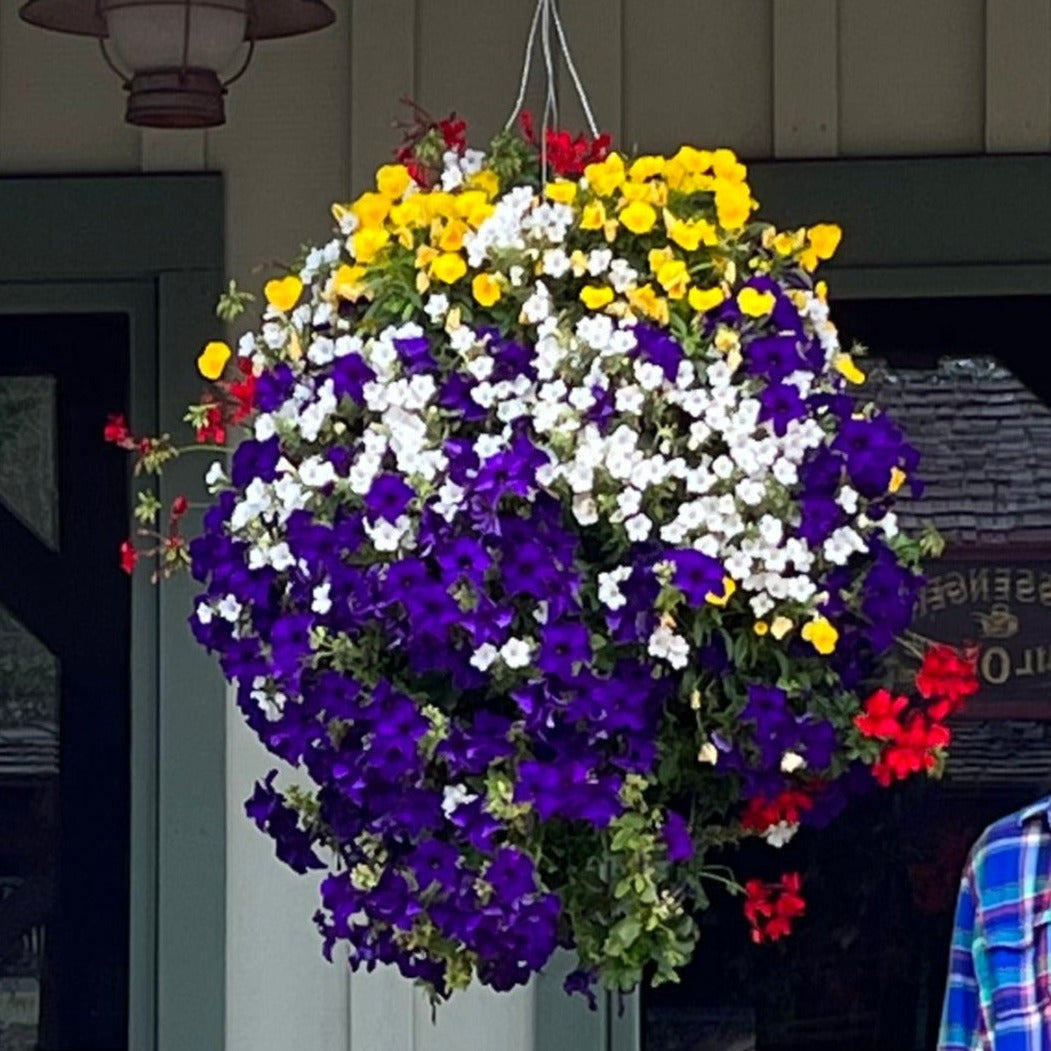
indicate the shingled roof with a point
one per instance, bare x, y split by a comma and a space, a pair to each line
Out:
985, 443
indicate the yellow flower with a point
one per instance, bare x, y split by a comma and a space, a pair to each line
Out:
593, 216
371, 209
423, 282
690, 234
605, 176
785, 243
646, 167
897, 479
657, 257
781, 627
822, 242
282, 293
346, 281
439, 205
820, 633
729, 587
448, 267
674, 278
705, 299
595, 297
486, 289
725, 165
821, 291
392, 180
563, 191
733, 204
369, 243
412, 212
487, 181
646, 301
760, 627
451, 238
844, 365
425, 255
824, 239
213, 359
726, 340
579, 262
639, 217
755, 303
473, 206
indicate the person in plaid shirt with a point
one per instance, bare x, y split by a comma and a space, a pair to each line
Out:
998, 996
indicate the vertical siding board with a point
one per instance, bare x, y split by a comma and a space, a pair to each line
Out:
805, 88
172, 151
698, 71
470, 60
61, 108
191, 920
594, 29
565, 1023
381, 1012
477, 1020
284, 149
1018, 76
912, 77
382, 63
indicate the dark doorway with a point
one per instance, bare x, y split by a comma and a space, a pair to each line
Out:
64, 686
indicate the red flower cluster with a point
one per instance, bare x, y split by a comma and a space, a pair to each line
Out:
762, 813
771, 908
567, 156
117, 432
129, 557
912, 734
946, 679
214, 429
243, 392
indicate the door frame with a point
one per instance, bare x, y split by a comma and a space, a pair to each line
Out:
150, 247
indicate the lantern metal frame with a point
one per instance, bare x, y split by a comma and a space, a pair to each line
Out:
183, 96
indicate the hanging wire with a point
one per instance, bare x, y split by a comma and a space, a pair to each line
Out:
582, 96
544, 17
523, 83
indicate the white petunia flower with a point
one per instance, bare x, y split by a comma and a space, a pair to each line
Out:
483, 657
321, 602
638, 528
666, 645
516, 653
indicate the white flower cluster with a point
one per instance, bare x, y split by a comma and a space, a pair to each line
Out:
684, 460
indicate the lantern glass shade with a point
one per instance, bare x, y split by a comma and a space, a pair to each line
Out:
170, 35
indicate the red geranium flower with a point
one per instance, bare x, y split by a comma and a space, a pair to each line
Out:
771, 908
116, 431
129, 557
881, 715
214, 429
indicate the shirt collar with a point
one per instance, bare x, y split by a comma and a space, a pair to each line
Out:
1041, 808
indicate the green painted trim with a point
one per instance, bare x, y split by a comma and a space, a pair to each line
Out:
151, 246
95, 228
941, 212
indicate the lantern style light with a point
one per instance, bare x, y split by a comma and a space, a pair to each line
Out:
173, 54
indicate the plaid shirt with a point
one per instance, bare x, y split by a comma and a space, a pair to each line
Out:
999, 994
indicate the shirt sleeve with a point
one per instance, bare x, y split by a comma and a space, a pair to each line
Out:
962, 1026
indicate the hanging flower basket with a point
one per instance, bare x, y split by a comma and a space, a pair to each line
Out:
558, 555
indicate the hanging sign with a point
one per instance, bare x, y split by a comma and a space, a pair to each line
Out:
1001, 603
